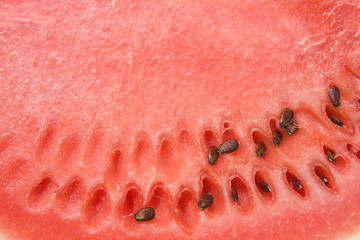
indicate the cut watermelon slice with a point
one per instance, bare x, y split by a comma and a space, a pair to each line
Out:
109, 107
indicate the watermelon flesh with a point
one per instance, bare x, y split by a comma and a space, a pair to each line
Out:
111, 106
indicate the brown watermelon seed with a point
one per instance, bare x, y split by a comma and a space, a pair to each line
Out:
261, 149
324, 180
336, 120
287, 117
297, 183
334, 95
264, 186
277, 137
229, 146
213, 155
205, 200
330, 155
234, 194
287, 122
145, 214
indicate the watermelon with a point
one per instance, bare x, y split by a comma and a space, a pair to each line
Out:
169, 119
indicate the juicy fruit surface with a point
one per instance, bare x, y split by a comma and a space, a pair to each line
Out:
111, 106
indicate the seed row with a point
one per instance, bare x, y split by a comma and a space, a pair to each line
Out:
288, 124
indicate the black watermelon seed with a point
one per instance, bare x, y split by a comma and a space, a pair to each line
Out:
330, 155
205, 200
297, 183
145, 214
287, 117
336, 120
264, 186
234, 194
334, 95
324, 180
261, 149
277, 137
229, 146
213, 155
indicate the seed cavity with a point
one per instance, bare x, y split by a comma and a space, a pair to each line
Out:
42, 194
277, 137
324, 176
264, 186
261, 149
210, 139
336, 159
145, 214
234, 194
186, 211
330, 155
295, 184
213, 155
133, 201
97, 208
287, 122
206, 200
229, 146
334, 95
336, 120
243, 197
